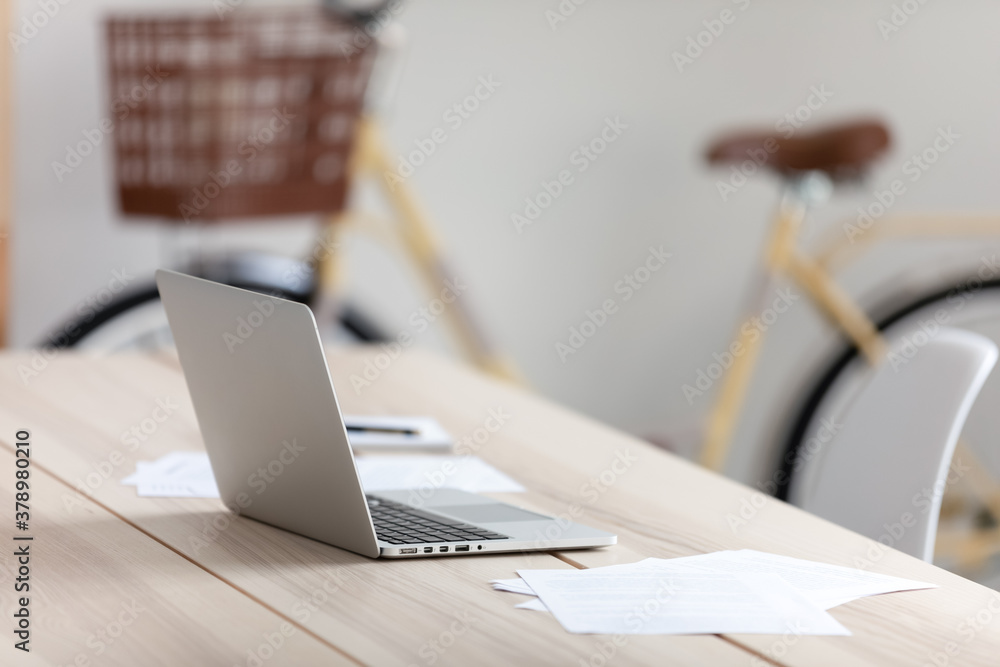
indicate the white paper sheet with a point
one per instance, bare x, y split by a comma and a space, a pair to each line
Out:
816, 585
189, 475
512, 586
534, 605
645, 600
827, 586
468, 473
173, 461
175, 475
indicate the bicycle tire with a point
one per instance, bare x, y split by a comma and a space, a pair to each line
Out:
76, 329
806, 409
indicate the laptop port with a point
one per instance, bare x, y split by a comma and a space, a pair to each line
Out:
462, 547
442, 549
428, 550
408, 551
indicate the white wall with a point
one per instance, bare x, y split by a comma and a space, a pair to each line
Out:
650, 188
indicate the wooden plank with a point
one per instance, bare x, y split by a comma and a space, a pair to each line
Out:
663, 506
102, 592
380, 612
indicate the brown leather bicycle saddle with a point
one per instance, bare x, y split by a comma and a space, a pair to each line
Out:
842, 151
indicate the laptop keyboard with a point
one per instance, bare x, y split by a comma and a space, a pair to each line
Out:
397, 523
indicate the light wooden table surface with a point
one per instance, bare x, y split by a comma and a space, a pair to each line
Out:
122, 580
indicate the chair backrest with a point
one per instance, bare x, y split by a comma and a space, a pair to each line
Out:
885, 468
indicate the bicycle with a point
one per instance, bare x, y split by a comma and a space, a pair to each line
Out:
811, 166
171, 130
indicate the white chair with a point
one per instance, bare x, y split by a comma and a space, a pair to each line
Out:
887, 462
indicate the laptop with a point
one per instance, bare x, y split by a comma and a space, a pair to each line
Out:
274, 433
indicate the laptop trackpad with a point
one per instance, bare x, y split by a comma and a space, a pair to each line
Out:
490, 513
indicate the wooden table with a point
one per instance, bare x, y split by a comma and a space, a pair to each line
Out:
122, 580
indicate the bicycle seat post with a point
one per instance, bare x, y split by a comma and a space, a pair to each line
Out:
801, 190
809, 165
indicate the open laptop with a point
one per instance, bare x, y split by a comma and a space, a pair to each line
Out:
274, 433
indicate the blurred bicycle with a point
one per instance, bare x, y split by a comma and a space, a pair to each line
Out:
811, 167
252, 114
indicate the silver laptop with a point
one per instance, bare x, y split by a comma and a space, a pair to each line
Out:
274, 433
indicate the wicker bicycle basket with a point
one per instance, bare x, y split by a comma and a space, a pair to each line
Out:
250, 113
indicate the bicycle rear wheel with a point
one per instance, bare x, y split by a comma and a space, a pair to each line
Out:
136, 319
971, 504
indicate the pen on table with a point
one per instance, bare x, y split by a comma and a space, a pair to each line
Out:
377, 429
